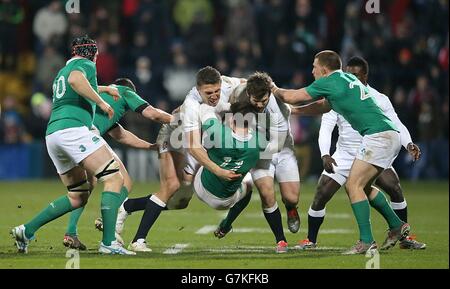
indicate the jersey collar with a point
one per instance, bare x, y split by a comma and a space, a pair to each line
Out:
338, 70
74, 58
242, 138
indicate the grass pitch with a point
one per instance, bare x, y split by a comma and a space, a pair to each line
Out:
184, 239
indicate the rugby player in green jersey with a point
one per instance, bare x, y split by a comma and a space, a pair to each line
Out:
380, 145
76, 151
235, 146
129, 101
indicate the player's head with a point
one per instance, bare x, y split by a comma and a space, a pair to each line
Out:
359, 67
85, 47
125, 82
325, 62
258, 90
208, 85
244, 115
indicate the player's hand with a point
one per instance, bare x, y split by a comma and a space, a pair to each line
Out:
228, 175
106, 108
114, 92
328, 163
414, 151
273, 87
153, 147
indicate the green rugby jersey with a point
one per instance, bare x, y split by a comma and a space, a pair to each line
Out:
351, 99
70, 109
230, 152
129, 100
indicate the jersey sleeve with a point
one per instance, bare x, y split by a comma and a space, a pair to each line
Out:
87, 68
329, 121
190, 110
210, 123
233, 82
319, 88
388, 109
134, 101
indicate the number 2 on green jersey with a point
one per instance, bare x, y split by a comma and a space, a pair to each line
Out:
364, 92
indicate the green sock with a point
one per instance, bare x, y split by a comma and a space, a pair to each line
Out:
123, 195
55, 209
73, 221
109, 206
361, 210
382, 206
234, 212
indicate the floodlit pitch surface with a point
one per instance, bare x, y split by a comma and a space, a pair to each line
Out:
184, 239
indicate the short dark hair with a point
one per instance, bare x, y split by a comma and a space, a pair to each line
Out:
84, 47
243, 108
359, 62
125, 82
258, 84
208, 75
329, 59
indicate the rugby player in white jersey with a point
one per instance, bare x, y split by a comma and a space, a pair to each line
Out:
179, 159
281, 166
337, 166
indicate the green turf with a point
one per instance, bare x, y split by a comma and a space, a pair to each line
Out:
428, 216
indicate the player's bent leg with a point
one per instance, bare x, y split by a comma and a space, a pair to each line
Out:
171, 166
271, 211
326, 188
290, 196
106, 169
23, 234
80, 192
245, 195
389, 183
360, 174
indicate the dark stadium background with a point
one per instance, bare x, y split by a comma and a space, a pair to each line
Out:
161, 44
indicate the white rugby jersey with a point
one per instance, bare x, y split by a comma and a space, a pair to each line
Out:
278, 114
349, 139
191, 105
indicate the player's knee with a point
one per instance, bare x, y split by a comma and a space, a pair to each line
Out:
351, 187
267, 200
173, 185
110, 175
79, 193
395, 192
181, 204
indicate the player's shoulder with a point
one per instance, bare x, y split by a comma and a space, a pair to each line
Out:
381, 98
229, 81
239, 94
193, 97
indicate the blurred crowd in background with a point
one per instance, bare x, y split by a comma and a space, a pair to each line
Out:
160, 44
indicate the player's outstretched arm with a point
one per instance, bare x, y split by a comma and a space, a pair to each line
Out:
81, 85
311, 109
291, 96
156, 114
126, 137
111, 90
199, 153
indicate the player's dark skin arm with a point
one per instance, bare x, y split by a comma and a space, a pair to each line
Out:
312, 109
128, 138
